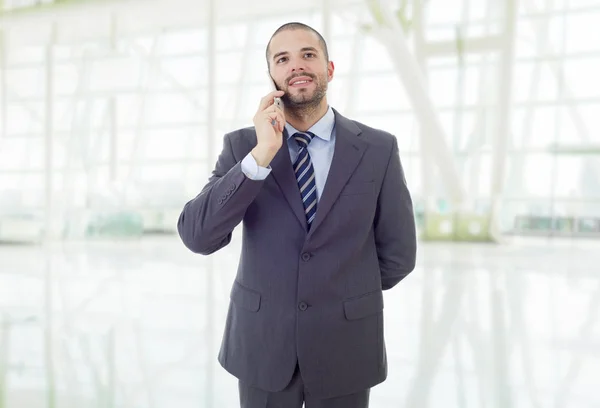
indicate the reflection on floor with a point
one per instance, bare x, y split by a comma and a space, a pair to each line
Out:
138, 324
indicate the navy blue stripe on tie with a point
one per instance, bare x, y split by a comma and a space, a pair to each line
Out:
305, 176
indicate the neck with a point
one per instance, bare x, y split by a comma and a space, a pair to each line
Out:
304, 117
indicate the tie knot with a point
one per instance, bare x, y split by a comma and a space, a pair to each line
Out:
303, 139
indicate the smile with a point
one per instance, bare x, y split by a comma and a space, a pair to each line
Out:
300, 82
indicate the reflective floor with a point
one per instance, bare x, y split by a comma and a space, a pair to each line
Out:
138, 324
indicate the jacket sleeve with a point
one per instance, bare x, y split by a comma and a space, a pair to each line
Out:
207, 222
395, 231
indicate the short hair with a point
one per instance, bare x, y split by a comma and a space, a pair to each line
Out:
298, 26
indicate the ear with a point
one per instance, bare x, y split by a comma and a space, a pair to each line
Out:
330, 70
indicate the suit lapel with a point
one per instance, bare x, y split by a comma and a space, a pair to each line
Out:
349, 149
283, 172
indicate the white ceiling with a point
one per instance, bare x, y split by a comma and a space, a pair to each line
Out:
93, 18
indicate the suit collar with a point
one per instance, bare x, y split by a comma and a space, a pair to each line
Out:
321, 129
349, 149
346, 125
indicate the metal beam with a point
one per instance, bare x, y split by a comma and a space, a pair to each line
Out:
480, 45
37, 6
163, 13
567, 95
515, 175
586, 149
389, 32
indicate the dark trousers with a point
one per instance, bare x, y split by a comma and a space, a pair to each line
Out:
293, 396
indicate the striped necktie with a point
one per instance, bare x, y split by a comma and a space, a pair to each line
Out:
305, 175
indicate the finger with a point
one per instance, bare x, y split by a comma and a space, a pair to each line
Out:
274, 116
280, 121
273, 108
277, 119
267, 101
281, 116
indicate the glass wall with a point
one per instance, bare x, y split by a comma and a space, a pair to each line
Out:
119, 114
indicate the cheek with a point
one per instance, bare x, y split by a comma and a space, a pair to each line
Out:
281, 84
277, 76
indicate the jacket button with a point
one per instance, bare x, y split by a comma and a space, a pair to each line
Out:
305, 256
302, 306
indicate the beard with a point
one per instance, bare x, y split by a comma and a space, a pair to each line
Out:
304, 99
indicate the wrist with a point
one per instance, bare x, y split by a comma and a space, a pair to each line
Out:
263, 156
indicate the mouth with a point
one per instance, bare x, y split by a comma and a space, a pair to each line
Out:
300, 82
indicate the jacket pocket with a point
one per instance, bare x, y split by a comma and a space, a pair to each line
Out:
244, 297
363, 306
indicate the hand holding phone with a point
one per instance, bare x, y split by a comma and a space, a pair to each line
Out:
269, 123
276, 100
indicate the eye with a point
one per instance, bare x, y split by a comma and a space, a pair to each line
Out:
281, 59
311, 54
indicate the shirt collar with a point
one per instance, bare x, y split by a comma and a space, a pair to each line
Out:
321, 129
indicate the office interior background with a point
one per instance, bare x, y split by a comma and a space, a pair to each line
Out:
112, 114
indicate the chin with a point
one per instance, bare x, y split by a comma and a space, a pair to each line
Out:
302, 97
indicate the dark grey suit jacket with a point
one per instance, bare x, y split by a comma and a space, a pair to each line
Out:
314, 298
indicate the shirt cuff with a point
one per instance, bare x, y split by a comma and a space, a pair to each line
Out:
252, 170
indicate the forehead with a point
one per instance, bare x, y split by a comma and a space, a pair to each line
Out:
293, 41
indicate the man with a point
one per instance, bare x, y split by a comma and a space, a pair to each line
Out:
328, 224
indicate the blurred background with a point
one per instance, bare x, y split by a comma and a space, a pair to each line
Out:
112, 114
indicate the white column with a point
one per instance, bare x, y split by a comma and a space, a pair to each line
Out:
211, 111
500, 143
427, 173
4, 353
48, 134
211, 144
390, 34
3, 84
112, 111
49, 357
327, 21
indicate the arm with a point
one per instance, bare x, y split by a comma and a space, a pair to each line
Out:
395, 232
207, 222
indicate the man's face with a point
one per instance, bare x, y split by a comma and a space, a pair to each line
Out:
298, 66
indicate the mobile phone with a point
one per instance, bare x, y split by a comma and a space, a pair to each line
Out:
277, 100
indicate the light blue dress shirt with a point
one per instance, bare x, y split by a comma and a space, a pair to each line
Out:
321, 150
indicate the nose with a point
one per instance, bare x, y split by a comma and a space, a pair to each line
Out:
297, 65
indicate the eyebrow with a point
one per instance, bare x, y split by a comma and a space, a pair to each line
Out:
279, 54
